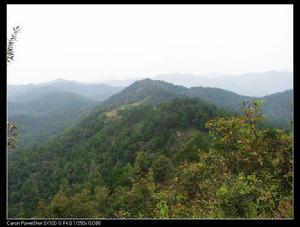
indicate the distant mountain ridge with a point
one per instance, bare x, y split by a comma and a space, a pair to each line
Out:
248, 84
48, 115
50, 103
27, 93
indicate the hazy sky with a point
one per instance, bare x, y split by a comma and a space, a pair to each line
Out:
91, 43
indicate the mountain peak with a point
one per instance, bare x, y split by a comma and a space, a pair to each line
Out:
144, 81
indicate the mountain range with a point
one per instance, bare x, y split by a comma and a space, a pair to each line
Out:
27, 93
46, 110
249, 84
48, 115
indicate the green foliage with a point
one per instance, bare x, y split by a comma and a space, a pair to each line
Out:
162, 168
181, 159
256, 153
238, 198
12, 136
79, 205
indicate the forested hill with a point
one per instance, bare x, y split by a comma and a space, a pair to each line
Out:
42, 111
278, 108
146, 91
144, 161
48, 116
101, 151
50, 103
154, 92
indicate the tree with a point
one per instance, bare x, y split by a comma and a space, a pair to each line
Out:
79, 205
259, 165
11, 44
12, 135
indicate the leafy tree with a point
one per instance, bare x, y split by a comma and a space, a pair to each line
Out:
12, 135
253, 156
79, 205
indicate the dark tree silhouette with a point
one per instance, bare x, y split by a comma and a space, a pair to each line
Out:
11, 44
12, 130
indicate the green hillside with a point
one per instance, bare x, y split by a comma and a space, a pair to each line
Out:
108, 144
47, 116
277, 109
145, 161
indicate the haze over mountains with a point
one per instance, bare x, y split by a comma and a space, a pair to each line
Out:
97, 92
47, 115
250, 84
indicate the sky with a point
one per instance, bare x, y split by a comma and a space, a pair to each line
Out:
94, 43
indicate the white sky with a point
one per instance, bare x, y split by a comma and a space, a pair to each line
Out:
91, 43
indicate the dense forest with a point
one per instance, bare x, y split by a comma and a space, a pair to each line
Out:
153, 151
